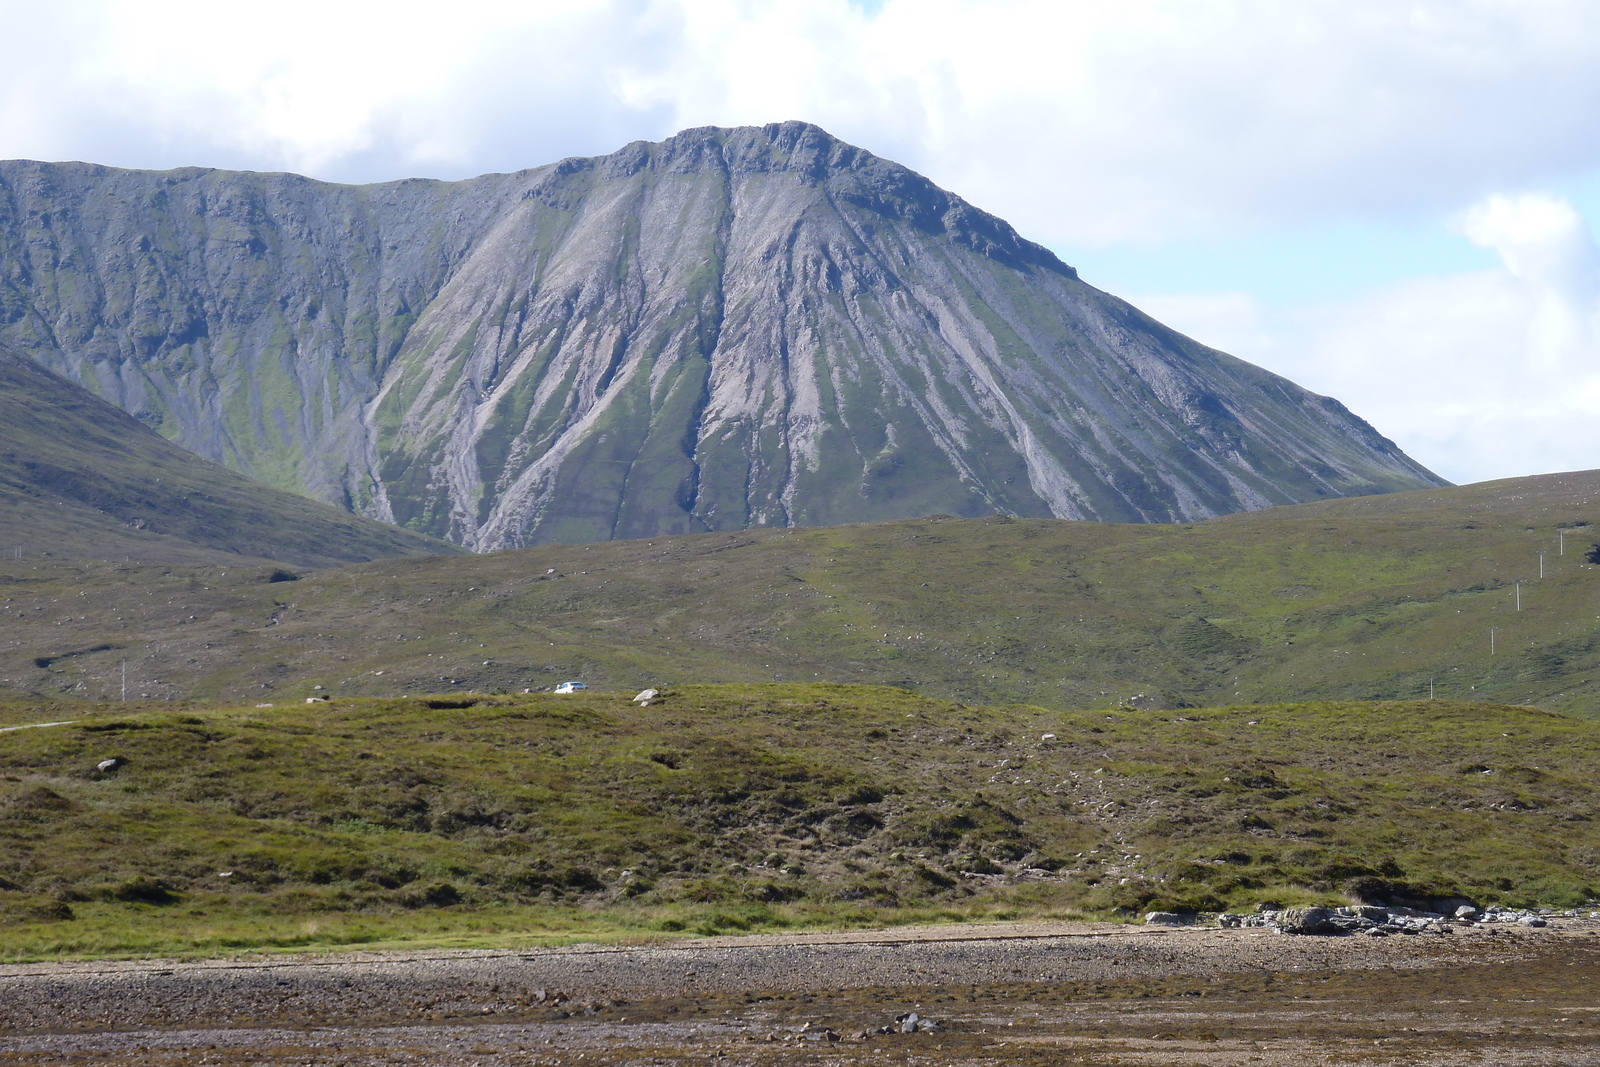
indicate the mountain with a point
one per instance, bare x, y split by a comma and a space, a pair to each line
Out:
732, 328
78, 477
1392, 597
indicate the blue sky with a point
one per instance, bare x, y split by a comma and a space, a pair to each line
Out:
1388, 202
1286, 265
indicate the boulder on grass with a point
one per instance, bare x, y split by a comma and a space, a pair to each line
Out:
1165, 918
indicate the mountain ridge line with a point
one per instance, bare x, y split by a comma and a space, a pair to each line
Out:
730, 328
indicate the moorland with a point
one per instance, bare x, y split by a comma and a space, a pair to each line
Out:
1481, 593
495, 820
925, 720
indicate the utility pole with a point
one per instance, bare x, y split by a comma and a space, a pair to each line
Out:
1519, 596
1561, 542
1491, 640
124, 680
1430, 688
1541, 562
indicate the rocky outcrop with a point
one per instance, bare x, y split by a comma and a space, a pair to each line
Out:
734, 327
1376, 921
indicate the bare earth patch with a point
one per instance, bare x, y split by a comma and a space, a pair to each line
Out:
1024, 993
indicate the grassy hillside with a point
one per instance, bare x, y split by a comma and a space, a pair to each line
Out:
732, 807
78, 477
1365, 599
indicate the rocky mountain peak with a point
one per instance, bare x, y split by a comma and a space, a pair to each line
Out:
732, 327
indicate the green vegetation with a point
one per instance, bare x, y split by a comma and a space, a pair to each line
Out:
78, 477
1376, 598
473, 819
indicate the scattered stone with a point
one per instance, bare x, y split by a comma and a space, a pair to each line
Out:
1495, 914
813, 1032
645, 697
106, 766
1320, 921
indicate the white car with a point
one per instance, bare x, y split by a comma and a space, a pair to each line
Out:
571, 687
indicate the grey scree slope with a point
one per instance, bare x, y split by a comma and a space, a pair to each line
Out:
734, 327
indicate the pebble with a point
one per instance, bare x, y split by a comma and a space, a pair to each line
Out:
383, 988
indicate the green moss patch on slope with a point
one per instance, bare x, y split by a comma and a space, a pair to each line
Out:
78, 477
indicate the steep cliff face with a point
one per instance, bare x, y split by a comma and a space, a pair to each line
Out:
745, 327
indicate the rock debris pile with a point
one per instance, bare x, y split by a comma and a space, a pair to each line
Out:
905, 1023
1370, 920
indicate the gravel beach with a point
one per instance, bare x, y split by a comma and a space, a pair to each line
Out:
1009, 993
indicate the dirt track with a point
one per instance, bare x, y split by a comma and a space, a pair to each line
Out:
1013, 994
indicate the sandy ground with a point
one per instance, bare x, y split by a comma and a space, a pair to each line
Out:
1029, 994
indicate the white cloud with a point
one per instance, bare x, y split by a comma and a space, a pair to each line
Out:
1148, 120
1547, 247
343, 90
1083, 121
1481, 375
